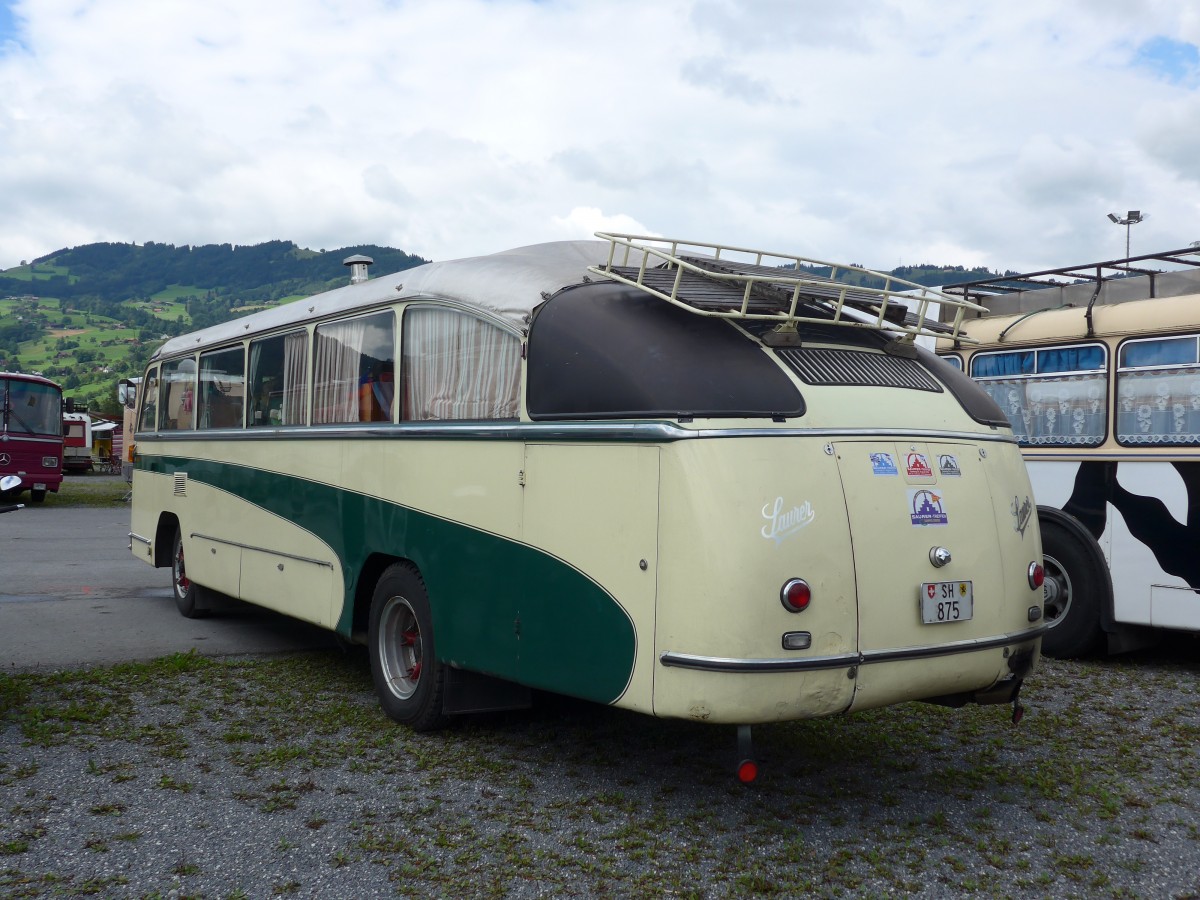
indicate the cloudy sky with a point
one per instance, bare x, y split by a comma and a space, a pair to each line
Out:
881, 132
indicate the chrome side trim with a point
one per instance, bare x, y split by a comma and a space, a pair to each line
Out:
650, 432
217, 540
845, 660
139, 538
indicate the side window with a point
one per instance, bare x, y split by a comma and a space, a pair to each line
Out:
1158, 391
278, 380
1053, 396
354, 370
178, 395
455, 366
222, 389
148, 420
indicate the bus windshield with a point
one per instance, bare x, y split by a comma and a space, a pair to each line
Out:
32, 408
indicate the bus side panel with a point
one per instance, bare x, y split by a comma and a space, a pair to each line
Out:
1150, 531
479, 583
539, 608
739, 518
242, 535
595, 507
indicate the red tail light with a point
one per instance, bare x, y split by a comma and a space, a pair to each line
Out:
795, 595
1036, 575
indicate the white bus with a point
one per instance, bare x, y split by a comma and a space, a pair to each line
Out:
1098, 370
687, 480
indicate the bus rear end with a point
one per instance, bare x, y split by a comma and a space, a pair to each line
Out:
31, 439
833, 573
844, 521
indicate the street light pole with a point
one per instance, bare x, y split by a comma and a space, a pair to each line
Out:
1131, 218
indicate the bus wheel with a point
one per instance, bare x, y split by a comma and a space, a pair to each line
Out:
187, 592
36, 496
1071, 593
408, 678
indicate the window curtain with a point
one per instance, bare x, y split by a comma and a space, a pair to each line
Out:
335, 371
1159, 406
455, 366
295, 360
258, 403
1053, 412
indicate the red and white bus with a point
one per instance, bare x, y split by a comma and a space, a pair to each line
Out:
31, 434
77, 442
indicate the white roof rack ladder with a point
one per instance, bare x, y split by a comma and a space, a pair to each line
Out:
755, 273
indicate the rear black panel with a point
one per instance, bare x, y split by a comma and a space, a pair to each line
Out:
605, 350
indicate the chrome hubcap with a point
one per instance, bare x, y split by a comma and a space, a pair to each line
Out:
400, 649
1056, 590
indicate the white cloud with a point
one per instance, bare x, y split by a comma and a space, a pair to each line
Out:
583, 222
877, 132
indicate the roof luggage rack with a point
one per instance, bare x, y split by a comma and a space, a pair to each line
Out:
777, 287
1096, 273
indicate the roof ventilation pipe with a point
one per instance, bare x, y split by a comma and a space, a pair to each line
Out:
358, 267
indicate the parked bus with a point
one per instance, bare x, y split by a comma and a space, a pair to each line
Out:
682, 479
1098, 371
77, 442
31, 435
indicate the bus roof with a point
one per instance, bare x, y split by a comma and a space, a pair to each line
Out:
1071, 323
507, 285
39, 379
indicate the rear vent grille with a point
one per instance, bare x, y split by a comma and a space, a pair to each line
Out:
181, 484
857, 369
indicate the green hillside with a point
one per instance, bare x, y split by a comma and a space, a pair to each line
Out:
88, 316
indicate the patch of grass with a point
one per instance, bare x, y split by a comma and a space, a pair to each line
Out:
82, 490
166, 782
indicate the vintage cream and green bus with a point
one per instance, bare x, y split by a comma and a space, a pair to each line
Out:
1098, 369
682, 479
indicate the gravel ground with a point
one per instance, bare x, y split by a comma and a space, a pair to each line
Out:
277, 777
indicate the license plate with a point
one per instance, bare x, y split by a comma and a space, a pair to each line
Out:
946, 601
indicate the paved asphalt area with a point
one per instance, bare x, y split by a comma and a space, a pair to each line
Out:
73, 596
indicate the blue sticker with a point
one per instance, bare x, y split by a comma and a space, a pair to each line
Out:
883, 464
926, 508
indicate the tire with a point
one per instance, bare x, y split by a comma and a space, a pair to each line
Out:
36, 496
1073, 593
409, 681
189, 596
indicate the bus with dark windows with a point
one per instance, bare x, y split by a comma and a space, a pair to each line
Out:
31, 434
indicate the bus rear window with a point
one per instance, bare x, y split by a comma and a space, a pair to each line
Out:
607, 351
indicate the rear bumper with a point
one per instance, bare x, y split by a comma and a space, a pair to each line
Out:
847, 660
